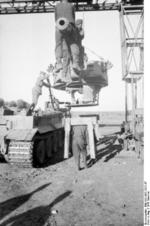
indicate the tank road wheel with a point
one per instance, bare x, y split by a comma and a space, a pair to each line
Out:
40, 152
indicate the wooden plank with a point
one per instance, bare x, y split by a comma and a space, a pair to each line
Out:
91, 140
67, 137
97, 131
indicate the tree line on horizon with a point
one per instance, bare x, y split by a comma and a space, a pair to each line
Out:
19, 104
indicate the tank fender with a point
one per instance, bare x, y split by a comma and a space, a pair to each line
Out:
21, 134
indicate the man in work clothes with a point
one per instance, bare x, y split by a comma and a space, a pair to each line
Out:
79, 144
80, 37
65, 15
37, 89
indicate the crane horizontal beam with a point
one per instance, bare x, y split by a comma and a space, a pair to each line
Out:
48, 6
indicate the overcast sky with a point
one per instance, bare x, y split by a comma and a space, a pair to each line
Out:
27, 45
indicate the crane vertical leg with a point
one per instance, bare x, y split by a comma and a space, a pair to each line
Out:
91, 141
67, 137
126, 102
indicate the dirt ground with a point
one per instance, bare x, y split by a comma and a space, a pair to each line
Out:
109, 193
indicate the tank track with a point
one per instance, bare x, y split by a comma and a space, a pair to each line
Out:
21, 153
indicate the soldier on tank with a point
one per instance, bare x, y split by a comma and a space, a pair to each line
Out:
80, 37
66, 31
42, 80
37, 89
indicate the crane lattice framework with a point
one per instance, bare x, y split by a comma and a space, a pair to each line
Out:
131, 27
47, 6
132, 45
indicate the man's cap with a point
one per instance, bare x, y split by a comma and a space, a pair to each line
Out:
78, 21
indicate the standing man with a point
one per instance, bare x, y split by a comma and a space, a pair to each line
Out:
79, 144
66, 31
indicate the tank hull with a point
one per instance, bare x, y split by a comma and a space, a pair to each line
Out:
27, 140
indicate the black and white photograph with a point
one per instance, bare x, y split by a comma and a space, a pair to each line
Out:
73, 150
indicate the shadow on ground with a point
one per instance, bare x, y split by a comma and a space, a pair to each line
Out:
10, 205
38, 216
107, 148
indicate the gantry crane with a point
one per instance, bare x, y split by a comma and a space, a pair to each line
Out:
132, 35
